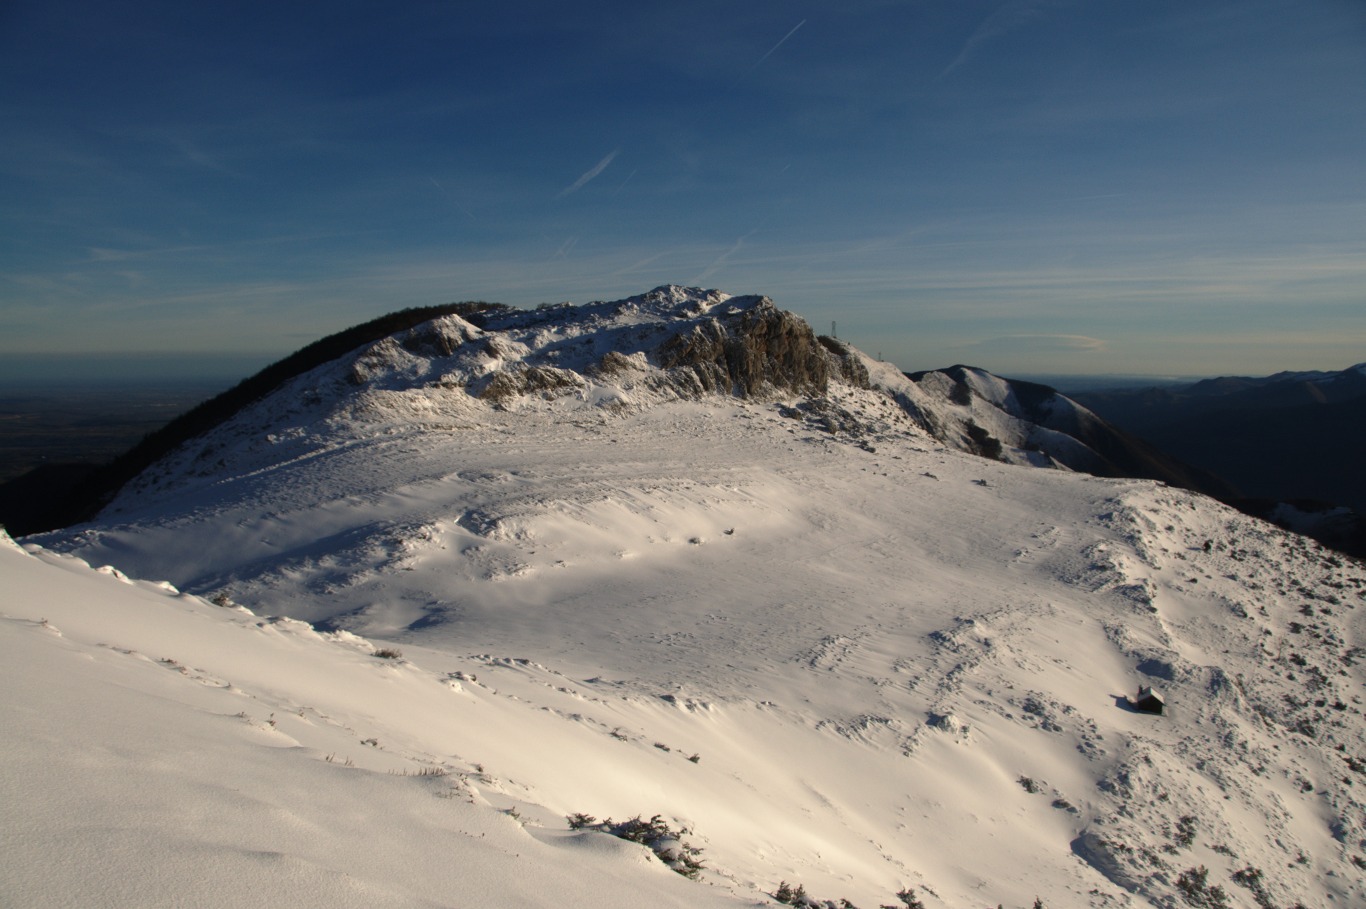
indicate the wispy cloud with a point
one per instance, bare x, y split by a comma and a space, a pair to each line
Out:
1008, 17
593, 172
109, 254
1040, 344
640, 264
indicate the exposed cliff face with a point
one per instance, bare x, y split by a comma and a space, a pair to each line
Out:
544, 380
671, 341
750, 352
851, 367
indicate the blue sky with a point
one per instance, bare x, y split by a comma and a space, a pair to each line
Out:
1031, 186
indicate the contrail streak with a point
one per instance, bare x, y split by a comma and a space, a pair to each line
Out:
778, 45
452, 200
722, 259
597, 169
1007, 18
624, 182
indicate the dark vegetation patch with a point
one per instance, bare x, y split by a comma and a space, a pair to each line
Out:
983, 443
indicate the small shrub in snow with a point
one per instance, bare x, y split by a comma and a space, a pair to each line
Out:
908, 901
1195, 887
431, 771
1251, 878
666, 843
389, 653
797, 896
1029, 785
1185, 830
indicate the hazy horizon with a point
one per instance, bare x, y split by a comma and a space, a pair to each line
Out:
73, 370
135, 367
27, 371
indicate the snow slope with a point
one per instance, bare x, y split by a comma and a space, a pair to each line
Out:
164, 751
896, 665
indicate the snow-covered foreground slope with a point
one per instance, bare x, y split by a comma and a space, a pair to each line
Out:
163, 751
837, 653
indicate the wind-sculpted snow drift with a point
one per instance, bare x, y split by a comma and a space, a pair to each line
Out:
676, 555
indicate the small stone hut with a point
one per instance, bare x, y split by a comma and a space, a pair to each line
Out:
1149, 701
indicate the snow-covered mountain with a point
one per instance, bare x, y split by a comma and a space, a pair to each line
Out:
1024, 422
675, 556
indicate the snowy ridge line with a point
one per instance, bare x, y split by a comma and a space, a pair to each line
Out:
603, 360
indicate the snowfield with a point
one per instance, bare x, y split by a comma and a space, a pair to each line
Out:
797, 625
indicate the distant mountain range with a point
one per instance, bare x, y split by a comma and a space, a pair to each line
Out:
1294, 437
